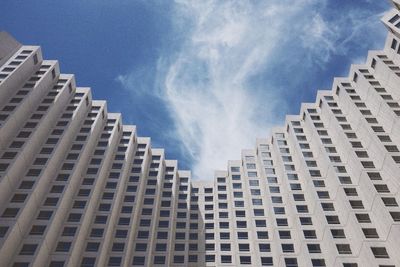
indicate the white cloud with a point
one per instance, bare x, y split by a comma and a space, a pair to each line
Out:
207, 85
320, 38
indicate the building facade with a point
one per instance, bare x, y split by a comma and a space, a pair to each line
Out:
79, 188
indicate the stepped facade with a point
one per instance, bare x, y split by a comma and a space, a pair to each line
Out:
80, 188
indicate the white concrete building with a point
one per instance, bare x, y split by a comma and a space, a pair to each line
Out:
79, 188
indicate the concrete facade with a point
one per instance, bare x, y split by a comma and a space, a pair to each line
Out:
79, 188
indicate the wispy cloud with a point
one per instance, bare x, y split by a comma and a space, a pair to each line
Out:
208, 83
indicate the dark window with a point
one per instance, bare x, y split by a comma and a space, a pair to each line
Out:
379, 252
138, 260
245, 260
28, 249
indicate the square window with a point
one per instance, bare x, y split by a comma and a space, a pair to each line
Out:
138, 260
244, 247
380, 252
284, 234
291, 262
114, 261
314, 248
245, 259
28, 249
88, 262
262, 234
370, 233
338, 233
192, 258
226, 259
287, 248
179, 259
318, 262
264, 247
159, 259
118, 247
63, 246
37, 229
267, 261
343, 248
210, 258
363, 218
161, 247
56, 264
10, 213
309, 234
92, 246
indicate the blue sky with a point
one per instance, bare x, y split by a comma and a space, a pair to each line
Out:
203, 78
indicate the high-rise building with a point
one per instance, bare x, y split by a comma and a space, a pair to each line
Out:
79, 188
